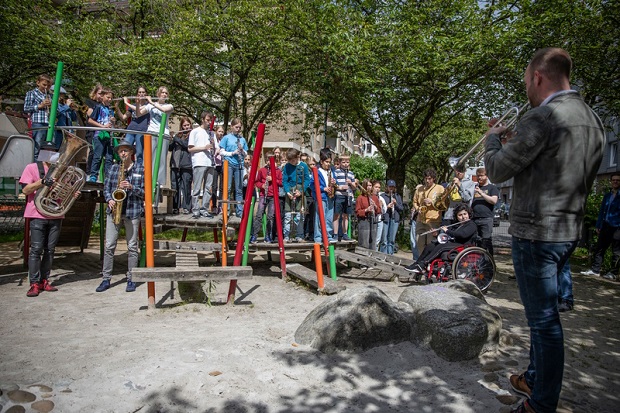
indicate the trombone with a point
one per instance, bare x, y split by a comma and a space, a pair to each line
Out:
508, 119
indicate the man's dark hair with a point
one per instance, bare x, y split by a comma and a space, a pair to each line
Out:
430, 172
325, 154
553, 62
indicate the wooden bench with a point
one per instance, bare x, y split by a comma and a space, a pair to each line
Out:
188, 271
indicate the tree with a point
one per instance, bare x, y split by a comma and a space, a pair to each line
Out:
400, 72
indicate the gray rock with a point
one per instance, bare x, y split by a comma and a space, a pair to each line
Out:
466, 287
355, 320
455, 325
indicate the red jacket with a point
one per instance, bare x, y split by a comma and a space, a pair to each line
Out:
261, 178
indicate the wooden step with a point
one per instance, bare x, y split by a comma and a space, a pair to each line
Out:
308, 276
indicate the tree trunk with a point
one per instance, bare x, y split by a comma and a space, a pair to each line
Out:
396, 170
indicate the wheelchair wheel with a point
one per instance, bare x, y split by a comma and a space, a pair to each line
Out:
476, 265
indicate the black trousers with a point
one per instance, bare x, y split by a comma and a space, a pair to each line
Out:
609, 236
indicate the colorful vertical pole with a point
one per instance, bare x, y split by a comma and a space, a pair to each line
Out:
248, 234
318, 264
224, 213
160, 144
246, 211
276, 204
54, 107
148, 215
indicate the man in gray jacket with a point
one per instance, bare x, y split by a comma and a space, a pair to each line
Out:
560, 139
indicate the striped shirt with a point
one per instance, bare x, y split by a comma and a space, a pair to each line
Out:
341, 176
33, 99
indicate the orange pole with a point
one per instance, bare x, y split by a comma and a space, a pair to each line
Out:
224, 212
148, 215
318, 263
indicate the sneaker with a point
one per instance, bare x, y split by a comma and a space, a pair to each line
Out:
105, 284
299, 239
287, 240
131, 287
46, 286
195, 216
187, 211
589, 272
609, 276
205, 213
267, 240
92, 178
519, 384
415, 267
345, 237
175, 212
33, 291
523, 408
565, 306
333, 240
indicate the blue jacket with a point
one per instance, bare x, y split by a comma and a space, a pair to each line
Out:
290, 178
613, 218
322, 185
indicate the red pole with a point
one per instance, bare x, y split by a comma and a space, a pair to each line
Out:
148, 215
246, 209
276, 204
319, 206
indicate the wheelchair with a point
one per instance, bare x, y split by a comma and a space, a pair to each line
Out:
466, 262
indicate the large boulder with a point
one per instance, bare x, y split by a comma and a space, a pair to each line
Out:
454, 324
355, 320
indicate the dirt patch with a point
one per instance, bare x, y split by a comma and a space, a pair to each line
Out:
105, 352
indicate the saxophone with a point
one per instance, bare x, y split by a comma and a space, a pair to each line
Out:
119, 195
62, 181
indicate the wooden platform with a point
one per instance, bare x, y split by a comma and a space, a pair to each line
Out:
377, 260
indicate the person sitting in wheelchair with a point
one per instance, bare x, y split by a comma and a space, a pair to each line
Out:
463, 232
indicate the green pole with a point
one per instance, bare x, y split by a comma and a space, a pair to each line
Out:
332, 262
349, 228
252, 140
160, 143
265, 226
248, 234
54, 108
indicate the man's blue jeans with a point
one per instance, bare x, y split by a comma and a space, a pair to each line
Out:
537, 265
565, 285
39, 136
235, 172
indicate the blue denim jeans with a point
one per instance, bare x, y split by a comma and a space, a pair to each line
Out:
235, 172
101, 149
412, 239
537, 265
38, 136
328, 208
388, 237
138, 141
44, 234
565, 285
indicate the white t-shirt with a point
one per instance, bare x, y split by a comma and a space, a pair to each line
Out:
200, 137
155, 121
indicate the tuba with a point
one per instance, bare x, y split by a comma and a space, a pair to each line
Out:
62, 180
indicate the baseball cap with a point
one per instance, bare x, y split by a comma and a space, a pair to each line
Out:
391, 182
62, 89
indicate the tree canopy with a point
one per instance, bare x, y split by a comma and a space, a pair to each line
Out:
417, 79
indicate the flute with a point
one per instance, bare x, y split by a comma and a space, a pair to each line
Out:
136, 97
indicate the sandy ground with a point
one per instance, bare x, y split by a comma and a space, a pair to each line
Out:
106, 352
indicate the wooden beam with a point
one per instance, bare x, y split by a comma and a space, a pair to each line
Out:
190, 273
393, 269
309, 277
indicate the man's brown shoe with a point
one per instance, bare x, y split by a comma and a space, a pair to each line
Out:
519, 384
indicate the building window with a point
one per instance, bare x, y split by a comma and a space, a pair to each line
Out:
613, 154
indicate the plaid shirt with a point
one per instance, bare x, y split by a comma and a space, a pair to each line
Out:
34, 99
133, 205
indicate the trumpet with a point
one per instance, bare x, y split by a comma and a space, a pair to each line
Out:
508, 119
